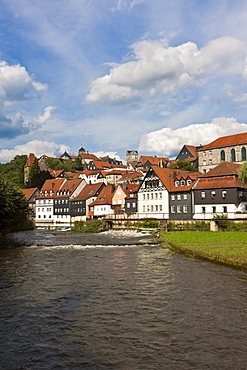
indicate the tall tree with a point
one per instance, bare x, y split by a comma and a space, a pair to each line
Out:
13, 207
184, 165
242, 174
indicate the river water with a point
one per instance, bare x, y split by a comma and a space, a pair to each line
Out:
113, 301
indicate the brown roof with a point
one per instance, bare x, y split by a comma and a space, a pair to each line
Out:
69, 186
88, 156
105, 196
30, 160
223, 169
152, 159
29, 192
51, 185
88, 191
225, 141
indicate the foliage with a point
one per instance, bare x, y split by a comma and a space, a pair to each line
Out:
91, 226
14, 170
38, 179
197, 225
242, 174
67, 166
13, 207
183, 165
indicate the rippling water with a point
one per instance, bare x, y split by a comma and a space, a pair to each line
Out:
76, 303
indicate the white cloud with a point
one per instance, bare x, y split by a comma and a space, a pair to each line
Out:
15, 83
158, 68
43, 118
35, 146
169, 142
102, 154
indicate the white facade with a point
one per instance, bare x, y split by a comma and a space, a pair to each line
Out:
209, 211
153, 198
44, 210
102, 210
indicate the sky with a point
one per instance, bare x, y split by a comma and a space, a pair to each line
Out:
118, 75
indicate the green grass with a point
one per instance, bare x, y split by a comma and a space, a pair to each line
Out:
225, 247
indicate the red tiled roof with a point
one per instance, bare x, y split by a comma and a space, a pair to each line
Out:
73, 175
223, 169
29, 192
105, 196
52, 185
224, 141
88, 156
130, 175
192, 150
88, 192
218, 183
69, 186
30, 160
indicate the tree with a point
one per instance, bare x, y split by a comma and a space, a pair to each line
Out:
14, 170
242, 174
183, 165
13, 207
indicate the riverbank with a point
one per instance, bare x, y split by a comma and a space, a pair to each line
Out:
227, 248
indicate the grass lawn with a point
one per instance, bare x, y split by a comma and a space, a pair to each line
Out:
229, 247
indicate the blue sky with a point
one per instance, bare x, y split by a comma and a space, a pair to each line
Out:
117, 75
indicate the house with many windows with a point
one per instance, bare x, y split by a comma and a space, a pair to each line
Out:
79, 205
231, 148
102, 206
163, 188
220, 192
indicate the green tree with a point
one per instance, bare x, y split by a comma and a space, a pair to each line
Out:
14, 170
13, 207
242, 174
184, 165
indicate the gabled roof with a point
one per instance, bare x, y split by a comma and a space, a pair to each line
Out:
223, 182
105, 196
193, 150
73, 175
51, 185
130, 175
30, 160
89, 191
153, 160
55, 173
29, 192
88, 156
100, 165
225, 175
68, 186
223, 169
225, 141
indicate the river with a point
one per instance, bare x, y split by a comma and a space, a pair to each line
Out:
115, 301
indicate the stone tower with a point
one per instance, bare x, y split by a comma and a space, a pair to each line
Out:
131, 156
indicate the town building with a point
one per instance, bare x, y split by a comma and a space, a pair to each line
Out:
220, 192
231, 148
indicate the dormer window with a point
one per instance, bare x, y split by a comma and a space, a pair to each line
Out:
189, 182
176, 183
182, 183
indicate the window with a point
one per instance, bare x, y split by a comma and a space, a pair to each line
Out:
203, 195
147, 196
134, 205
176, 183
128, 205
214, 209
144, 209
210, 162
173, 197
224, 209
143, 196
160, 207
160, 195
222, 155
233, 155
179, 209
223, 193
210, 153
185, 196
152, 208
243, 154
185, 209
204, 154
203, 209
178, 196
213, 194
173, 209
156, 195
189, 182
151, 196
156, 208
204, 163
182, 182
